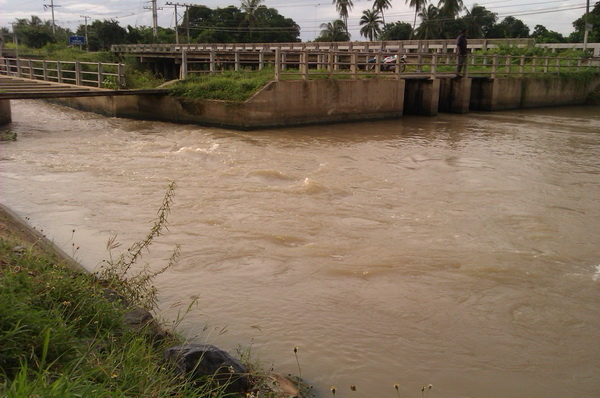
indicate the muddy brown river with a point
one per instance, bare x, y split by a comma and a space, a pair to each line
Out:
461, 251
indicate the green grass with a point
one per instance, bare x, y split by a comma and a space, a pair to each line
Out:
61, 338
229, 86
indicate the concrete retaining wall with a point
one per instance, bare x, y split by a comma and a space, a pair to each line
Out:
287, 103
278, 104
513, 93
5, 113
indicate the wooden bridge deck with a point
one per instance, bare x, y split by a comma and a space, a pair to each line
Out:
21, 88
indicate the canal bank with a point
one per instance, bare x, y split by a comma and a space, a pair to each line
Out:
303, 102
288, 103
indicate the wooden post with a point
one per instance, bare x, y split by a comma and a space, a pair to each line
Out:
45, 66
507, 64
419, 62
547, 61
237, 60
534, 64
30, 63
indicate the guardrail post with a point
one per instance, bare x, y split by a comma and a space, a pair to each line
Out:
522, 66
507, 64
183, 73
277, 64
100, 74
557, 62
494, 66
77, 73
31, 69
213, 66
237, 60
354, 64
546, 62
45, 67
330, 62
304, 64
19, 67
534, 64
261, 60
434, 65
284, 61
121, 73
59, 71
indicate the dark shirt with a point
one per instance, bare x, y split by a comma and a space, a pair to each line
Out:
461, 44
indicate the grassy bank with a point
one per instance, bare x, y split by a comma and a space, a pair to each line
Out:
61, 336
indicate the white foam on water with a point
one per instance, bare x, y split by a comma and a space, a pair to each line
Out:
596, 276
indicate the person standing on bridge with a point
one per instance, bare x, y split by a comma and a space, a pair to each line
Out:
461, 51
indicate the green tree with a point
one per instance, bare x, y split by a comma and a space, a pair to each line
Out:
333, 31
579, 25
249, 8
396, 31
430, 27
542, 35
103, 34
370, 22
34, 32
510, 27
419, 6
343, 7
381, 6
479, 21
450, 8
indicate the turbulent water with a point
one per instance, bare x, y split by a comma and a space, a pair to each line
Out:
457, 251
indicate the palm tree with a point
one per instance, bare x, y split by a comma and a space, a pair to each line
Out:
450, 8
380, 5
370, 21
343, 7
334, 31
430, 27
250, 7
418, 6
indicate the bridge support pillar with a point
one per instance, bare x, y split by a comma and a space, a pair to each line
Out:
422, 97
5, 113
455, 95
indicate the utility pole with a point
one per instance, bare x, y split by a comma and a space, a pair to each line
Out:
187, 18
154, 17
52, 8
87, 45
176, 20
587, 27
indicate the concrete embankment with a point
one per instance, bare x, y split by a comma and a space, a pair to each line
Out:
286, 103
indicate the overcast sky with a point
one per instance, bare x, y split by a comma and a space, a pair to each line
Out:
557, 15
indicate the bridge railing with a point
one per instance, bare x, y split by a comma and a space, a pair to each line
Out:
94, 74
405, 46
317, 64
